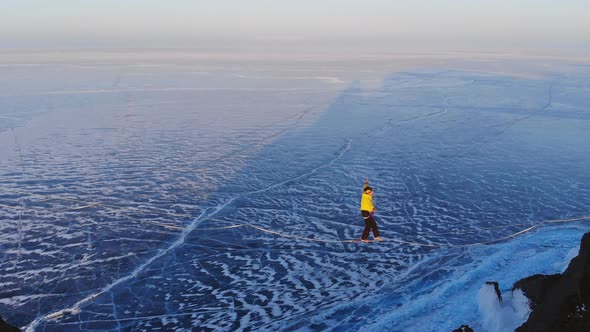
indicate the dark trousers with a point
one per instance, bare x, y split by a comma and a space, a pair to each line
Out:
370, 223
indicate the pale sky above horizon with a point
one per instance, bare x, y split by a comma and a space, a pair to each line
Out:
184, 23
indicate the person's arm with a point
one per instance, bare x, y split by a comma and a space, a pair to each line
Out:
366, 184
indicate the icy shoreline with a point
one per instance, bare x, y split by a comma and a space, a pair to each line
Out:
461, 299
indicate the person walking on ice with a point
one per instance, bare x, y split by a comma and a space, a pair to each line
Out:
367, 210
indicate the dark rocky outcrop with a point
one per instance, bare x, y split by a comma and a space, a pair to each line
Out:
536, 286
560, 302
496, 289
463, 328
5, 327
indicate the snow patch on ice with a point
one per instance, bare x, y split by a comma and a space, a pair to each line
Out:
506, 316
521, 305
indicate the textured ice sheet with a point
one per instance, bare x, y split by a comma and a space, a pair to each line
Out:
115, 203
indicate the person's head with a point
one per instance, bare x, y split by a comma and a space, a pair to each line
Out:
368, 191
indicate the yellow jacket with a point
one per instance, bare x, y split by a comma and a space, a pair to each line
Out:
367, 201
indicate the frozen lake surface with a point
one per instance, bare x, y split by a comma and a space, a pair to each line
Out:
145, 196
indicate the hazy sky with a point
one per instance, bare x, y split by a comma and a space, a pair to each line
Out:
194, 23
